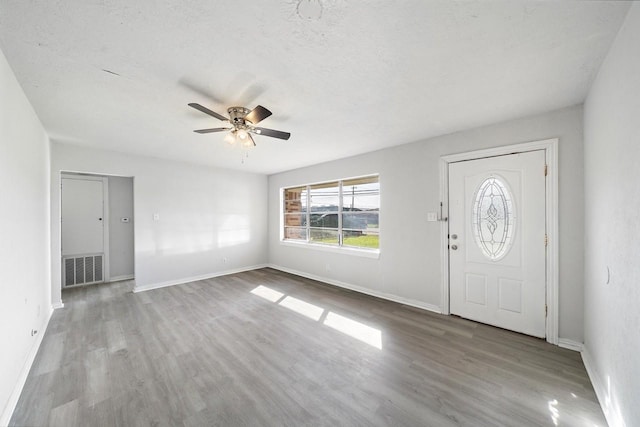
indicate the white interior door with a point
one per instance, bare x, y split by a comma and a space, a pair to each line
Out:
497, 241
82, 217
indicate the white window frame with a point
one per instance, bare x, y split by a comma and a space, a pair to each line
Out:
339, 248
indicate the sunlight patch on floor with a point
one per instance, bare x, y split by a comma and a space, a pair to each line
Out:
553, 409
354, 329
302, 307
267, 293
338, 322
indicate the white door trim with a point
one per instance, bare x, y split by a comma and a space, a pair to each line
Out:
550, 147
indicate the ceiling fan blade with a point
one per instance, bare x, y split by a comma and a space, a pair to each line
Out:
209, 112
272, 133
211, 130
257, 115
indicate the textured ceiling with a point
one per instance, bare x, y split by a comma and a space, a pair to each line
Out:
118, 74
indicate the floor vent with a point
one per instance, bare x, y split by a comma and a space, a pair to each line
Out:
82, 270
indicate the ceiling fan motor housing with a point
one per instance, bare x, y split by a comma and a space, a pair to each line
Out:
237, 115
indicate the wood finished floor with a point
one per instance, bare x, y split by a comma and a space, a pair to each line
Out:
213, 353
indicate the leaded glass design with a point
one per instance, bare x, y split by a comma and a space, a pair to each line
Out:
493, 220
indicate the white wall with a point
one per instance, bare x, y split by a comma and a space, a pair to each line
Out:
121, 240
25, 295
612, 227
205, 215
409, 264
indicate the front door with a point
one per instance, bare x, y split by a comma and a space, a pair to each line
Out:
497, 241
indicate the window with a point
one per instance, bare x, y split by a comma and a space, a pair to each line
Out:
295, 213
341, 213
493, 218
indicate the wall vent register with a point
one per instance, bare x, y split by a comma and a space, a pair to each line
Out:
83, 270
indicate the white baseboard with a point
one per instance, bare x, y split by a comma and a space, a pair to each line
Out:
570, 344
24, 373
362, 290
149, 287
57, 305
600, 387
123, 277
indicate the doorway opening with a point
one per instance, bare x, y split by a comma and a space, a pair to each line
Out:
484, 276
97, 229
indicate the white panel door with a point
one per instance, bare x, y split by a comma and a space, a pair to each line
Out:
82, 217
497, 250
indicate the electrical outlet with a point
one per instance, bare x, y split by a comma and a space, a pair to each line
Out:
224, 260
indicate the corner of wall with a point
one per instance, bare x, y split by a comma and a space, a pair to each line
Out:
10, 406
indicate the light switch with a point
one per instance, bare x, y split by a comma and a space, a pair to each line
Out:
432, 216
156, 217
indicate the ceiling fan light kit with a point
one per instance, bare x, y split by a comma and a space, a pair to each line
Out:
242, 122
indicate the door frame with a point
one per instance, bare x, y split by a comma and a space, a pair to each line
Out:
105, 215
550, 147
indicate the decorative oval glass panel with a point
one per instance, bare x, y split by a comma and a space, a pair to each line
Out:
493, 218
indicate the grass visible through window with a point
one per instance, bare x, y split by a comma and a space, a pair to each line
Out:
364, 241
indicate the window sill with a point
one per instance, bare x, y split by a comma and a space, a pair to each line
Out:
365, 253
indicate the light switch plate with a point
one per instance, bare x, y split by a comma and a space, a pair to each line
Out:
432, 216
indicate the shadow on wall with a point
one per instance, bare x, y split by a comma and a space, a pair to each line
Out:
184, 236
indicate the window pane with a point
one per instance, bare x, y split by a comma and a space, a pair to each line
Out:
297, 233
324, 197
295, 219
361, 239
360, 220
293, 193
360, 203
323, 206
360, 213
324, 220
295, 200
361, 195
323, 235
295, 213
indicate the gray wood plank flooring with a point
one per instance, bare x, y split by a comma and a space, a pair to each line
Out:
294, 352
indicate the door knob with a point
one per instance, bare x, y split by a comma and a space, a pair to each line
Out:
454, 247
